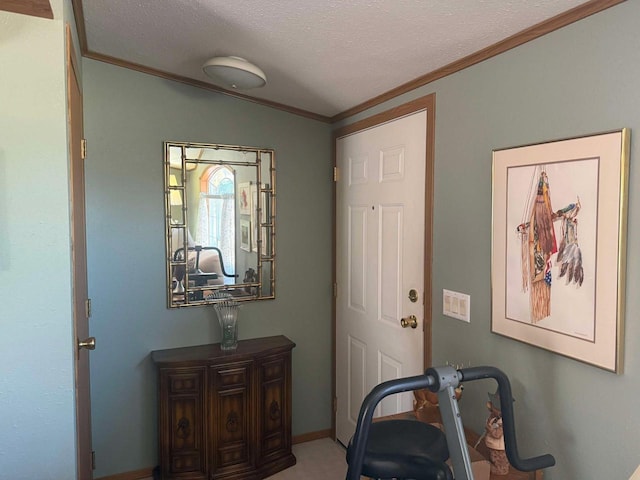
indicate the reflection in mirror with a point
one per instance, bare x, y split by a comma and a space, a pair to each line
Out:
220, 223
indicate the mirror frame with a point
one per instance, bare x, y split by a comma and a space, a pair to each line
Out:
263, 286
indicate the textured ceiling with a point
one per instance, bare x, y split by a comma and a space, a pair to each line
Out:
322, 56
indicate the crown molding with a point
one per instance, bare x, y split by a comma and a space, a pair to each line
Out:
536, 31
204, 85
35, 8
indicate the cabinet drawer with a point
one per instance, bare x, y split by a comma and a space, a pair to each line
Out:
184, 383
232, 376
273, 368
184, 463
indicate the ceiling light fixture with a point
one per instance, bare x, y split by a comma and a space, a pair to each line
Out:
235, 72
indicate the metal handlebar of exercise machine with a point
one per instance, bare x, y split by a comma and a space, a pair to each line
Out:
444, 380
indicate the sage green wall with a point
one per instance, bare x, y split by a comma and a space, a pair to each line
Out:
37, 347
127, 117
579, 80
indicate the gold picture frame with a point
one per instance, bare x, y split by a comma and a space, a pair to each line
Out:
244, 198
245, 235
558, 255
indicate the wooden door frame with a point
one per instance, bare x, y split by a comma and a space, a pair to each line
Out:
84, 457
427, 103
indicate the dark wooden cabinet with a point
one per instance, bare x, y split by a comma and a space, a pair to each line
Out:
225, 415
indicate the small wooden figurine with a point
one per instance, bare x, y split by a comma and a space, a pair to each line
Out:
494, 437
426, 405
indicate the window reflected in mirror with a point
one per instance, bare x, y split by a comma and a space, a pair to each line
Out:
220, 223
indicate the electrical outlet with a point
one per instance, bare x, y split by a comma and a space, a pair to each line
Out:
456, 305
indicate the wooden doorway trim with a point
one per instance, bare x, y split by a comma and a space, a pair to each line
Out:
84, 456
428, 103
35, 8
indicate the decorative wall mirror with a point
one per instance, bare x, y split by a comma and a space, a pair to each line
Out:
220, 223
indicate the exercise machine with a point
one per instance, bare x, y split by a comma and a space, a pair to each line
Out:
386, 449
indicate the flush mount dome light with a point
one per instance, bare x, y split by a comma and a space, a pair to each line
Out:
235, 72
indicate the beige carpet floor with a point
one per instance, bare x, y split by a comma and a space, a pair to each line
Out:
321, 459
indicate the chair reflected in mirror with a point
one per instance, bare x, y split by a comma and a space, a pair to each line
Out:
205, 265
177, 239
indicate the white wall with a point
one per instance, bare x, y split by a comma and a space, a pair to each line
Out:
37, 434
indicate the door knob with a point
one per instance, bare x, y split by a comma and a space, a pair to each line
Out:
89, 343
410, 321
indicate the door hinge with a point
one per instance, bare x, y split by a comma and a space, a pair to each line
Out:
335, 174
83, 148
93, 459
87, 307
335, 290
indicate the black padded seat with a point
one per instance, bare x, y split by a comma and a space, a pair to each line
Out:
405, 449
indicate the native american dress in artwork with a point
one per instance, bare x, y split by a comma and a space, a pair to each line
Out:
539, 244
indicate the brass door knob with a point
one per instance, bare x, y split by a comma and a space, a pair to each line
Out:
410, 321
89, 343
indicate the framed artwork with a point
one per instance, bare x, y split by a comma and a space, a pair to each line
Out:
559, 246
244, 198
245, 235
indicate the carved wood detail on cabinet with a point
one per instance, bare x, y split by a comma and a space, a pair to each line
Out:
225, 415
181, 420
272, 389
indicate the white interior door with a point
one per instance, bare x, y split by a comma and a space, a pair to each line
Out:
380, 195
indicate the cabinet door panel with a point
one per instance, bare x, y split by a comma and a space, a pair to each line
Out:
232, 419
182, 436
272, 404
186, 432
275, 412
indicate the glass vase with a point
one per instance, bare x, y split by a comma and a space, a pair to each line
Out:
227, 313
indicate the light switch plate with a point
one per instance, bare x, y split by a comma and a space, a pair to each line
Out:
456, 305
